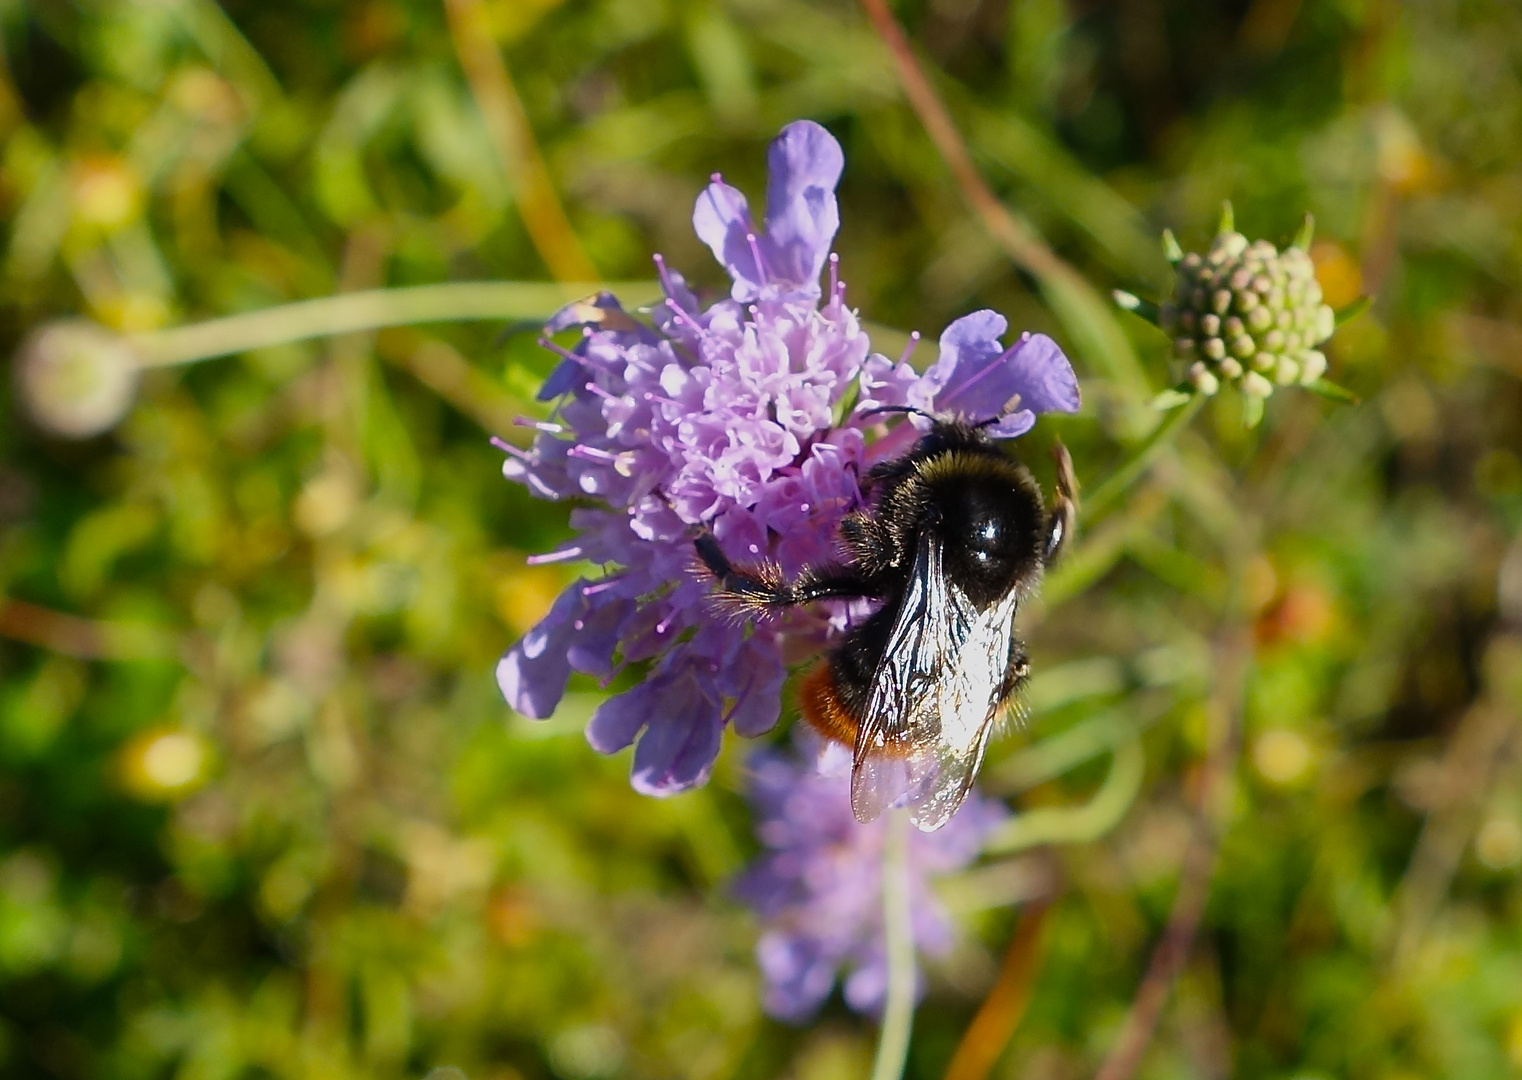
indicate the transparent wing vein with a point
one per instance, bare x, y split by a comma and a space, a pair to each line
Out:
933, 699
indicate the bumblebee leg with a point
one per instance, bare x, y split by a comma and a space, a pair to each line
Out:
1016, 672
1064, 516
764, 590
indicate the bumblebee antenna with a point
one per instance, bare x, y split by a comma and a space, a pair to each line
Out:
910, 409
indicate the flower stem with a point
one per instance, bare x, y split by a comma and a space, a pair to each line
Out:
1086, 317
1108, 493
898, 928
369, 310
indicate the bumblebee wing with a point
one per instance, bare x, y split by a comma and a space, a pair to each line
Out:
969, 698
901, 718
938, 688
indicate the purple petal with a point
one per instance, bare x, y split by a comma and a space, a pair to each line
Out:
978, 379
533, 673
618, 721
756, 678
721, 219
680, 744
803, 166
596, 636
966, 379
664, 316
866, 988
1011, 426
567, 376
1046, 380
798, 976
966, 345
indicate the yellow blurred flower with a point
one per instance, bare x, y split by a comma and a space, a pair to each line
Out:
1498, 844
201, 92
1338, 274
106, 192
524, 595
165, 764
1281, 756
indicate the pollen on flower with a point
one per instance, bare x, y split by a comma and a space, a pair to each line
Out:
748, 419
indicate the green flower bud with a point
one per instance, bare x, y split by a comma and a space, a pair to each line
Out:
1256, 385
1243, 311
1202, 380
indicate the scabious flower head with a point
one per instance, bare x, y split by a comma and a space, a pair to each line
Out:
729, 418
1246, 312
818, 886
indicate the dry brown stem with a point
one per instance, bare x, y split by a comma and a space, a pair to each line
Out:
1001, 1011
87, 639
1211, 798
513, 139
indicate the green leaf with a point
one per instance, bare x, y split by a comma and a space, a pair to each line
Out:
1302, 238
1144, 309
1173, 398
1332, 392
1171, 248
1252, 410
1355, 309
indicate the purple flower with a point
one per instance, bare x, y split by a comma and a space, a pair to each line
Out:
726, 418
818, 887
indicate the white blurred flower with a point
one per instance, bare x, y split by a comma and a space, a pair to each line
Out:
77, 379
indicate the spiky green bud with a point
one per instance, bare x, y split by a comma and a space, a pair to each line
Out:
1246, 312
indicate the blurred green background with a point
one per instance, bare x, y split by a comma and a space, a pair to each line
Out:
262, 810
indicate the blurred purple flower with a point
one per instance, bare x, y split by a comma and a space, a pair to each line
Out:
818, 887
726, 418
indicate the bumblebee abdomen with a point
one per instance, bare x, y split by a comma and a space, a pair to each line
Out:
823, 708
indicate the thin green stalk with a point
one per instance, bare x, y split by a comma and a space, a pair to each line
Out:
371, 310
1079, 824
898, 1010
1096, 504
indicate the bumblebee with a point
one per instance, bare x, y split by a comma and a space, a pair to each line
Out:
954, 537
